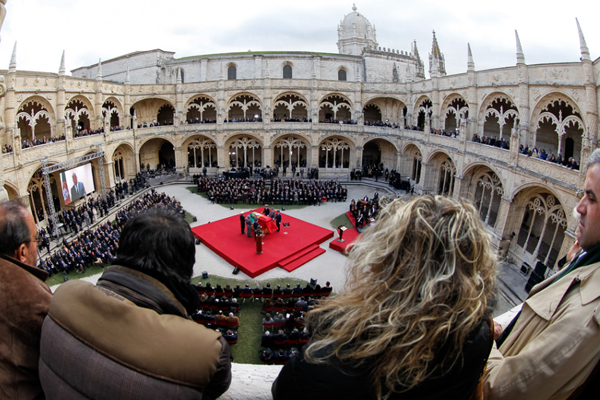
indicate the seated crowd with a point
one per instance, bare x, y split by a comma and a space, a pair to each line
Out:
284, 330
255, 191
98, 245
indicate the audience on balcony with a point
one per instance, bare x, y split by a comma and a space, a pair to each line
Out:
491, 141
571, 162
88, 132
337, 121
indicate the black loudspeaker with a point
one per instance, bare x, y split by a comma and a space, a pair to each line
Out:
283, 208
194, 219
231, 207
236, 270
65, 277
204, 275
197, 241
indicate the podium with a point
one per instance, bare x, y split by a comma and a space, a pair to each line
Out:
341, 230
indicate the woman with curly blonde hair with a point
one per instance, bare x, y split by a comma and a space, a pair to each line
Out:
414, 319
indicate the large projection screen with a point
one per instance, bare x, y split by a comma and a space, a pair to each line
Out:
76, 183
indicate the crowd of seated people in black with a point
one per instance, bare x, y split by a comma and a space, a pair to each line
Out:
491, 141
219, 308
99, 245
91, 247
284, 331
294, 191
255, 191
364, 210
570, 162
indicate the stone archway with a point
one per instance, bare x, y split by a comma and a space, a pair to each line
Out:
542, 228
33, 122
123, 163
157, 154
202, 153
335, 152
484, 188
245, 152
559, 129
290, 151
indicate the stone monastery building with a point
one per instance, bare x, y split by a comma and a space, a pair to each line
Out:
477, 134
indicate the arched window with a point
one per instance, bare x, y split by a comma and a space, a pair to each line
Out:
287, 72
231, 73
342, 75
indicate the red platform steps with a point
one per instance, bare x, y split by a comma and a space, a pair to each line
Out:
300, 258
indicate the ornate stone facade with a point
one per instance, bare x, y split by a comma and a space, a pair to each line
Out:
331, 111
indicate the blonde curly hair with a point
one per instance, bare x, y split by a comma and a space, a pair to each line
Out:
422, 277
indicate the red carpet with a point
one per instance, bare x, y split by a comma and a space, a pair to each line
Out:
349, 236
290, 248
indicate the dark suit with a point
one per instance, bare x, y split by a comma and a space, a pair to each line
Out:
242, 222
278, 221
78, 191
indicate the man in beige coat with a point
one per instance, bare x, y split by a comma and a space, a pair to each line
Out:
554, 345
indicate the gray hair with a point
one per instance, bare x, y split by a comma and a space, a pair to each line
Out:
594, 158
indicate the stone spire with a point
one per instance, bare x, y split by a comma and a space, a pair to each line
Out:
585, 52
62, 70
420, 71
437, 65
179, 80
127, 77
470, 63
520, 55
99, 75
12, 67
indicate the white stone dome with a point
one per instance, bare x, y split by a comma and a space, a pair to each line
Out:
356, 25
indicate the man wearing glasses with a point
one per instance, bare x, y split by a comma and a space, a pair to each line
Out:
24, 302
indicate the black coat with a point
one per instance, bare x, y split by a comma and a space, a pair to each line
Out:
299, 380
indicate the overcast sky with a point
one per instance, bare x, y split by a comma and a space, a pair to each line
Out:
88, 30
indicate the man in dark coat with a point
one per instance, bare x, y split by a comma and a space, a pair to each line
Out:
135, 323
242, 222
278, 220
